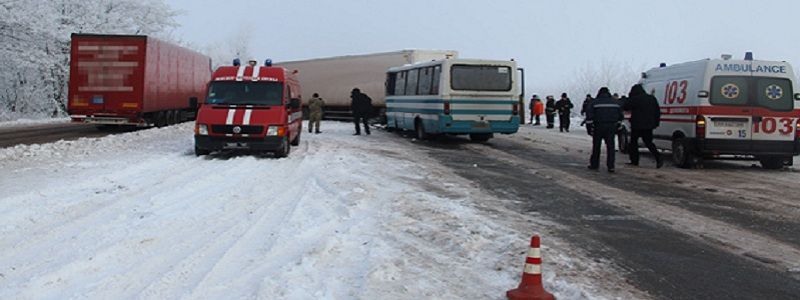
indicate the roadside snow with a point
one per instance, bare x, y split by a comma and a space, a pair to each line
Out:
30, 122
138, 215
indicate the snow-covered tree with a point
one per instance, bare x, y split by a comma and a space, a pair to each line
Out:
35, 40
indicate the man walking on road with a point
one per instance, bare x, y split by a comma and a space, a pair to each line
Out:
645, 116
361, 106
315, 106
550, 111
602, 117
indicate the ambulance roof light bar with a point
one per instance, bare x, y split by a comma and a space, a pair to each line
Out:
268, 62
748, 55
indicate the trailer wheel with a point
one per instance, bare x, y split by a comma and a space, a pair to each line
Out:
198, 151
159, 119
771, 162
176, 116
284, 151
682, 153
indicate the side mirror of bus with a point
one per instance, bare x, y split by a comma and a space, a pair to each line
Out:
294, 103
193, 103
702, 94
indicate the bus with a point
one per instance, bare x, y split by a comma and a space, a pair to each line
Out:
454, 96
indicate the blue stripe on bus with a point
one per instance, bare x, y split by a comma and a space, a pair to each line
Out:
414, 101
480, 112
414, 110
505, 102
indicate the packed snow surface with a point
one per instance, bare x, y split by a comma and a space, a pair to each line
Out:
137, 215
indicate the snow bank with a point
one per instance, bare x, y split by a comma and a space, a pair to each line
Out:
343, 217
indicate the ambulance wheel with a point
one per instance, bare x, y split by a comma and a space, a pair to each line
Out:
296, 141
771, 162
284, 151
199, 152
479, 137
624, 143
682, 154
419, 130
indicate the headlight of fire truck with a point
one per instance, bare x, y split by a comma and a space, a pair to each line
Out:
275, 131
202, 129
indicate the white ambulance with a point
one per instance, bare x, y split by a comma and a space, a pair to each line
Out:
727, 109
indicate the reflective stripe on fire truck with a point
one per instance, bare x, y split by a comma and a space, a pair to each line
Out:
247, 113
240, 73
256, 70
229, 120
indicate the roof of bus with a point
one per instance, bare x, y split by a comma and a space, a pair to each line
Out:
234, 73
453, 61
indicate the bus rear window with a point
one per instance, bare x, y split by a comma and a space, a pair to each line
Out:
480, 78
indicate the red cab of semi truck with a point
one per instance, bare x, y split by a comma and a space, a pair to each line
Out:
250, 107
134, 80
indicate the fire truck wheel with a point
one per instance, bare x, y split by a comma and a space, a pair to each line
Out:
771, 162
682, 154
296, 141
284, 151
199, 152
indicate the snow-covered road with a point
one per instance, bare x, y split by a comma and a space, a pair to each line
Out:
138, 215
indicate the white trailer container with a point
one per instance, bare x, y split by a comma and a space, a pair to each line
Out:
334, 77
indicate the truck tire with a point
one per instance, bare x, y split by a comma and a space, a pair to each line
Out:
296, 141
772, 162
160, 119
683, 153
199, 152
284, 151
479, 137
419, 130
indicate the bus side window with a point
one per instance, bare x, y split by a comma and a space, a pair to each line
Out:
425, 80
390, 81
400, 84
435, 85
411, 82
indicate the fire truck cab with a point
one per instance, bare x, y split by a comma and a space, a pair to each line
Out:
250, 107
727, 109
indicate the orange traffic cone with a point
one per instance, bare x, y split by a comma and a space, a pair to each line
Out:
531, 286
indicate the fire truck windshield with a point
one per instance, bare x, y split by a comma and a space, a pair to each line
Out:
245, 93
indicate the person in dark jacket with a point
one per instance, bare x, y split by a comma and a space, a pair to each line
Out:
602, 119
361, 106
550, 111
564, 107
586, 102
645, 116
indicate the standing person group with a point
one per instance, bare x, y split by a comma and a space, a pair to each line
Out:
645, 116
315, 106
564, 107
361, 106
537, 109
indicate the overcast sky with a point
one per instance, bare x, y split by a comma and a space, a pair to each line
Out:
551, 39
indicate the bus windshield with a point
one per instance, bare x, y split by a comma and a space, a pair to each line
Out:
768, 92
480, 78
245, 93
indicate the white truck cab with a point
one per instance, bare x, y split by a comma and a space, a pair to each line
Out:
727, 109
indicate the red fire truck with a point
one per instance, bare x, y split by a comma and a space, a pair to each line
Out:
250, 107
134, 80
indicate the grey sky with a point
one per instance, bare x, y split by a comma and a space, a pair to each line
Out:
551, 39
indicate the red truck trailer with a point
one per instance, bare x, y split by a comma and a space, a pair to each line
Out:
134, 80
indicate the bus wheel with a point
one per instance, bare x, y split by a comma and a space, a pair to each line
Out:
419, 129
480, 137
624, 142
682, 154
771, 162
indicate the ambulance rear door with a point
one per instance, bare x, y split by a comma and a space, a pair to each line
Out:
729, 119
773, 117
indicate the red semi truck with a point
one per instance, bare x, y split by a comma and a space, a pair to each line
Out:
134, 80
